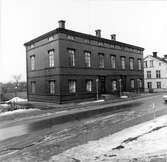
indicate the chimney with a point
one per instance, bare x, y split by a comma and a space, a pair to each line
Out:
113, 37
61, 24
154, 54
98, 33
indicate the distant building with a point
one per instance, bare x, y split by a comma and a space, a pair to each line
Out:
155, 73
64, 65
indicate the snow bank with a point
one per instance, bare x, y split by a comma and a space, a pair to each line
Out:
141, 141
16, 99
17, 112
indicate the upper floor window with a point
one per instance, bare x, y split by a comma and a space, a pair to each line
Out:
132, 83
52, 87
89, 85
86, 40
87, 59
148, 74
100, 43
101, 60
139, 64
113, 61
33, 87
145, 64
123, 62
71, 53
131, 63
32, 62
158, 74
70, 37
72, 86
50, 38
151, 63
51, 58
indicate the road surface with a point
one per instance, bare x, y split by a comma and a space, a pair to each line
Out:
40, 139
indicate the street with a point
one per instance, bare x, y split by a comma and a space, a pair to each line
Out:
39, 140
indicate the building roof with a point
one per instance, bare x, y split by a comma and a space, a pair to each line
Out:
82, 35
158, 58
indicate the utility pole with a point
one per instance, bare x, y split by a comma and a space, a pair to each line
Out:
97, 91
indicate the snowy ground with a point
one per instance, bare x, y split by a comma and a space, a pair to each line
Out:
142, 142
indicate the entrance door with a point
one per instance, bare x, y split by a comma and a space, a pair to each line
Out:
102, 84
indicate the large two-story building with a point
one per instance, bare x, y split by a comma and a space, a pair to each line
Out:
64, 65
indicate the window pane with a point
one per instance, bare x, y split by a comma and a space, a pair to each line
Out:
52, 87
114, 85
87, 59
71, 53
89, 86
51, 58
139, 64
72, 86
123, 62
131, 62
32, 60
33, 87
101, 60
132, 83
113, 62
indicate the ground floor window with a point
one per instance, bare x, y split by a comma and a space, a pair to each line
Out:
89, 85
139, 83
114, 85
149, 85
132, 83
33, 86
52, 87
158, 84
72, 86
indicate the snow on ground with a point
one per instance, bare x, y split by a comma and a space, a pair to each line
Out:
17, 111
16, 99
143, 142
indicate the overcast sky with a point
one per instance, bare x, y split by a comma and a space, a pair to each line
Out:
141, 23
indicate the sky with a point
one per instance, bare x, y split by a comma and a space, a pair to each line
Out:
142, 23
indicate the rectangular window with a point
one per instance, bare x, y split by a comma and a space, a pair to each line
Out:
145, 64
148, 74
51, 58
158, 84
151, 63
89, 85
71, 53
52, 87
72, 86
131, 63
33, 86
149, 85
101, 60
87, 59
139, 83
122, 62
113, 61
158, 74
114, 85
32, 60
139, 64
132, 83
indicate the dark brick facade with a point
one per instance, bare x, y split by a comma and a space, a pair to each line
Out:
62, 72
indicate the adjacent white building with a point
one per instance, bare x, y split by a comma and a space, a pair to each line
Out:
155, 73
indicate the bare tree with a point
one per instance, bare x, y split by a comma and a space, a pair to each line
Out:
17, 79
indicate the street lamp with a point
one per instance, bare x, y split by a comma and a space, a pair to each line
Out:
120, 87
97, 91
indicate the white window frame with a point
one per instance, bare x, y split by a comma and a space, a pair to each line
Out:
89, 85
87, 59
51, 58
32, 62
72, 86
